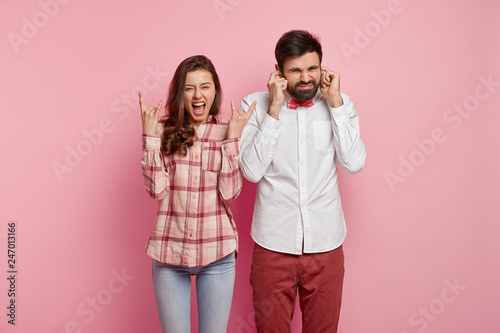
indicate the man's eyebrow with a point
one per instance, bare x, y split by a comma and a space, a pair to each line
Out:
298, 69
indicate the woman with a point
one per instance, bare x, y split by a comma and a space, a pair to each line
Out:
190, 165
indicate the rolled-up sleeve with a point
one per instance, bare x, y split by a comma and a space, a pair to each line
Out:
154, 174
230, 181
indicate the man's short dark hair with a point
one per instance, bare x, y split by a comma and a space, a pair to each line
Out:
296, 43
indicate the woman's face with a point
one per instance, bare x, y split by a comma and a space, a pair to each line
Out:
199, 95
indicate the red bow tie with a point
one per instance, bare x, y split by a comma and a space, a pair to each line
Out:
293, 104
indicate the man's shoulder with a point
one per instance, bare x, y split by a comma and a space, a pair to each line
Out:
258, 96
345, 96
262, 99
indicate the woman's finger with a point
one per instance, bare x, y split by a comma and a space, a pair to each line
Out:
252, 107
159, 106
232, 108
141, 101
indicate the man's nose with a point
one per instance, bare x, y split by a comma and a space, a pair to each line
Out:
304, 77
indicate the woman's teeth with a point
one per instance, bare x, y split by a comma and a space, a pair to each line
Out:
199, 107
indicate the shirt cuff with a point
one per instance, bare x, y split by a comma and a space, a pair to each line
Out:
270, 126
151, 141
231, 147
340, 114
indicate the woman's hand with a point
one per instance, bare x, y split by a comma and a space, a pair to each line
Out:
149, 116
238, 120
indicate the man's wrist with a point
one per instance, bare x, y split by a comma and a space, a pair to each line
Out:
274, 111
335, 101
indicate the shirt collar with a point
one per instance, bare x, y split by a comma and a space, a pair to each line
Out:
201, 129
212, 119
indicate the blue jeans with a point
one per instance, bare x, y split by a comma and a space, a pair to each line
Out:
214, 290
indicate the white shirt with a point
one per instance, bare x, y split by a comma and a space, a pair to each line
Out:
298, 208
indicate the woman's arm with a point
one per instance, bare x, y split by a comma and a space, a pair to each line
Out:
154, 175
230, 176
153, 172
230, 180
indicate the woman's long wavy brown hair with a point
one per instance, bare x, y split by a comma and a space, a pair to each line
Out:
178, 131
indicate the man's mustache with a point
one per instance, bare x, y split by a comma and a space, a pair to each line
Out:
305, 83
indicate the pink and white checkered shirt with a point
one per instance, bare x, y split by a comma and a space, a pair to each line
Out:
194, 224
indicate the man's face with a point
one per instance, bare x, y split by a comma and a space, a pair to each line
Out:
303, 75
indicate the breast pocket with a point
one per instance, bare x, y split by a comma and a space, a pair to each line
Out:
323, 135
211, 156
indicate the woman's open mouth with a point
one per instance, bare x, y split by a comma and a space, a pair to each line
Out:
199, 108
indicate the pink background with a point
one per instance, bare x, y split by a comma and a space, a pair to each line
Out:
73, 70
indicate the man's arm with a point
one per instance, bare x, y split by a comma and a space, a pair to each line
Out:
258, 141
349, 148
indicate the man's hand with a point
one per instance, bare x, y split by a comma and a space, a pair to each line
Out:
238, 120
149, 116
330, 87
276, 86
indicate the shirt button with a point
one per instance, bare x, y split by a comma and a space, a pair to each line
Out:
192, 215
301, 142
196, 157
190, 235
194, 196
301, 164
224, 148
195, 177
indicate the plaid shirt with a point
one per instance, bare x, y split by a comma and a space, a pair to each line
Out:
194, 224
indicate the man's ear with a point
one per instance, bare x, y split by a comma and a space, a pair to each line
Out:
279, 69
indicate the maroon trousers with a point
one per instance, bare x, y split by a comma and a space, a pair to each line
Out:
276, 278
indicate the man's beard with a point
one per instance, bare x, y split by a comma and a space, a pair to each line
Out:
303, 95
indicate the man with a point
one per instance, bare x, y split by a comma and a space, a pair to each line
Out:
300, 127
